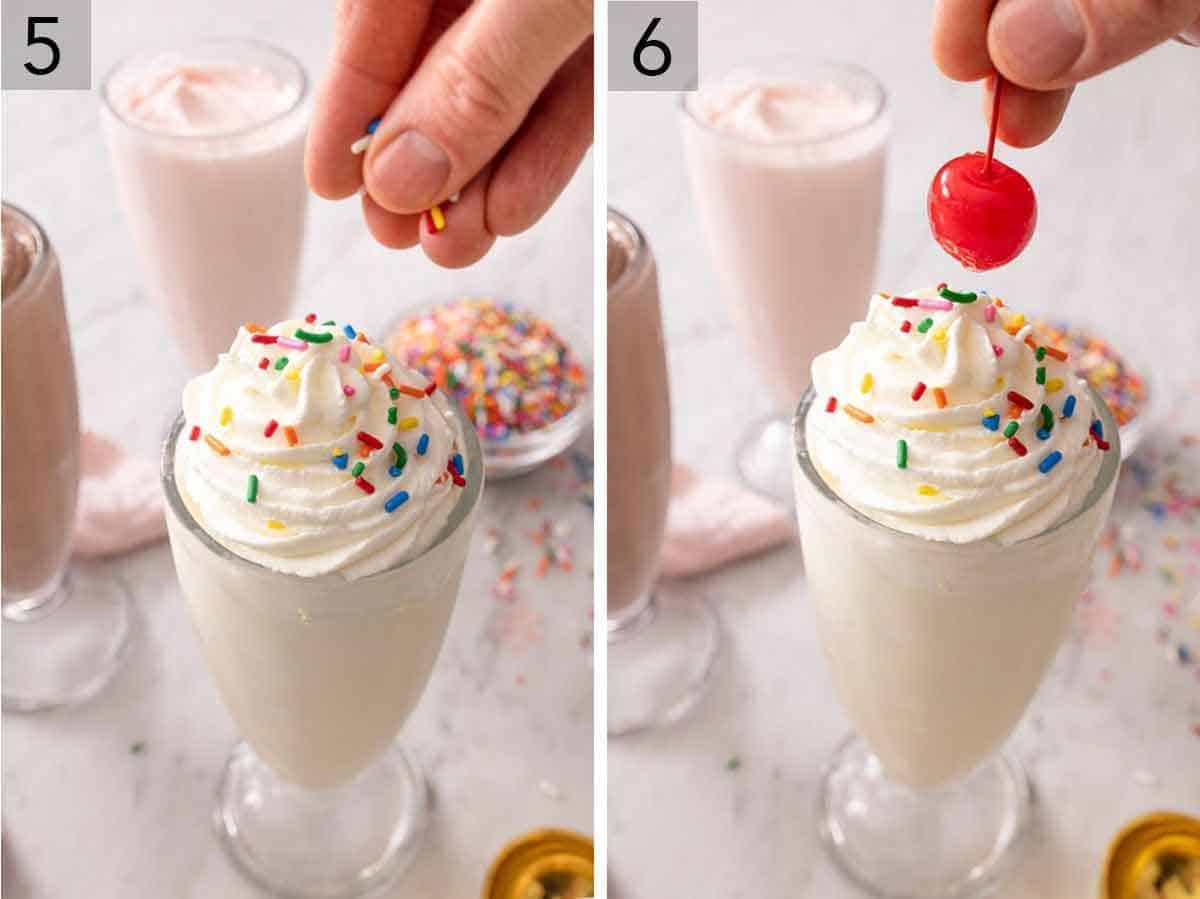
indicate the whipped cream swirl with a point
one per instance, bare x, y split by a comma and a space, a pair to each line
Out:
913, 425
269, 458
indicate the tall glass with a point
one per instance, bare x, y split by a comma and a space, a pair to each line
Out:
64, 635
319, 675
935, 649
217, 218
660, 652
793, 230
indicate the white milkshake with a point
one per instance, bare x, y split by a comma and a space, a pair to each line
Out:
952, 478
207, 145
321, 502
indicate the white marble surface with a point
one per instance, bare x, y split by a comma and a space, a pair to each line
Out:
510, 703
1110, 734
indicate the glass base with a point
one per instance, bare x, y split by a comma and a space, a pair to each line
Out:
953, 841
660, 662
65, 649
764, 458
348, 841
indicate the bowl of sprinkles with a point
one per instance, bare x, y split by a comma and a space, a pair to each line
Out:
522, 383
1122, 386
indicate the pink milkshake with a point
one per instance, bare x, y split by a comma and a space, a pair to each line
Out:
207, 145
787, 165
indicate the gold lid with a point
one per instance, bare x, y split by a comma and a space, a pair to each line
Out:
1156, 856
542, 864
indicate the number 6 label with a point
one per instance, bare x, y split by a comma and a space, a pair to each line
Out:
653, 46
47, 45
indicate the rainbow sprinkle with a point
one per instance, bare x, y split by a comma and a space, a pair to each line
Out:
340, 460
396, 500
357, 469
313, 336
401, 455
868, 381
370, 440
1021, 400
1011, 428
195, 434
957, 297
1017, 446
918, 391
901, 453
216, 445
1069, 407
252, 489
939, 396
925, 325
281, 363
275, 525
408, 423
992, 422
290, 433
269, 430
830, 405
391, 415
423, 445
506, 367
364, 485
1049, 462
927, 490
858, 414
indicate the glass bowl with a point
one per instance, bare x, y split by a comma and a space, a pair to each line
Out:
518, 453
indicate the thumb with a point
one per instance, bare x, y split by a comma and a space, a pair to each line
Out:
468, 97
1048, 44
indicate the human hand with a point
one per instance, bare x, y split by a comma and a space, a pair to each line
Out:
1045, 47
491, 100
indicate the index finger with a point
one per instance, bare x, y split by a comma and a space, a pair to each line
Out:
376, 47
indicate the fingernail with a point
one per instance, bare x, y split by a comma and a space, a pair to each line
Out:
409, 172
1041, 38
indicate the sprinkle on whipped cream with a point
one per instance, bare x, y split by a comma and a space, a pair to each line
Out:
272, 479
961, 426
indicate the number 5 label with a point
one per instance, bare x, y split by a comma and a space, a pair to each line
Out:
47, 45
653, 46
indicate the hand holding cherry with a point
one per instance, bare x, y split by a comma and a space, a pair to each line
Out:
982, 212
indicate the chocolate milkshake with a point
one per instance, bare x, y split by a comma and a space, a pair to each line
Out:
660, 650
41, 419
64, 637
639, 433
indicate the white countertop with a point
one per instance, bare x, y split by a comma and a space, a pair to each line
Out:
1110, 735
510, 703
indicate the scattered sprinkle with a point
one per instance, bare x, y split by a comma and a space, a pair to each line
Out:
868, 380
957, 297
269, 430
1020, 400
370, 440
1011, 428
831, 404
905, 326
927, 490
358, 469
340, 460
408, 423
1017, 446
252, 489
364, 485
195, 434
918, 391
1040, 375
939, 396
925, 325
902, 453
1069, 407
290, 433
274, 524
423, 445
992, 422
281, 363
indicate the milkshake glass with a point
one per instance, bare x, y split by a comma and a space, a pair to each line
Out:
786, 161
64, 634
320, 672
207, 147
937, 636
660, 651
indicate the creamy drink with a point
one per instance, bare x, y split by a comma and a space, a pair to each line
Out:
41, 419
787, 164
321, 501
55, 651
952, 479
639, 433
207, 144
660, 650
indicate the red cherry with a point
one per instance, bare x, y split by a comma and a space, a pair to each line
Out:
981, 218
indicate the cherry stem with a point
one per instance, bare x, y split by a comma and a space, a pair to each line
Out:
987, 165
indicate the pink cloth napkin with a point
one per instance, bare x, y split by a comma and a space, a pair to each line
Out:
120, 502
713, 521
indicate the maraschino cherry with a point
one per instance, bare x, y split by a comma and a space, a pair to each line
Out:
982, 212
